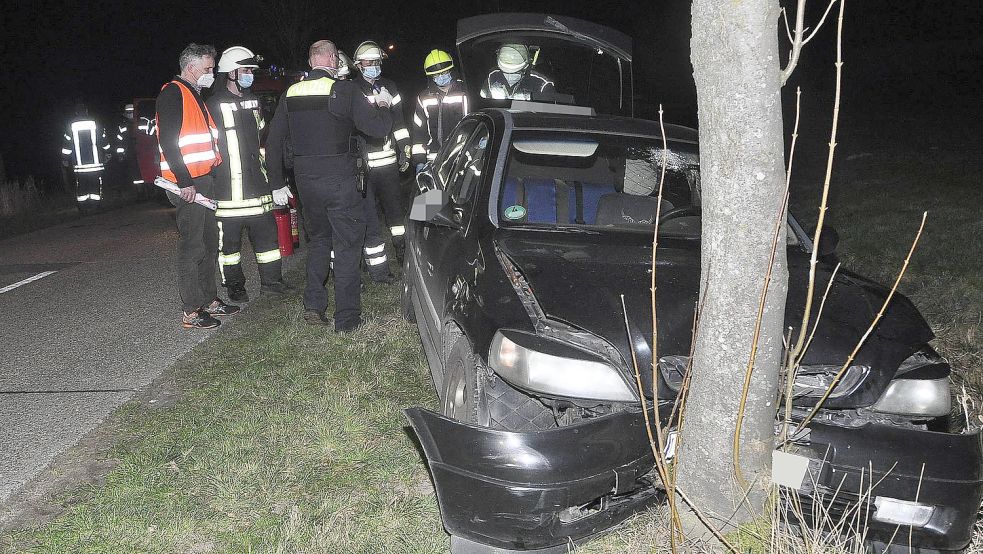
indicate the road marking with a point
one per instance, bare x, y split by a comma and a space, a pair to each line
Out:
41, 275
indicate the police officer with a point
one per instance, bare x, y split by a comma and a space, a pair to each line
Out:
243, 194
85, 151
385, 157
438, 108
318, 115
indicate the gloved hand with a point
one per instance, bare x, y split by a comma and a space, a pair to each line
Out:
383, 98
404, 159
282, 195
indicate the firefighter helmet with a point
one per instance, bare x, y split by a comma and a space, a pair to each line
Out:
344, 65
235, 57
368, 50
437, 61
513, 58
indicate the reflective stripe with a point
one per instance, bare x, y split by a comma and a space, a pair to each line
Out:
105, 147
247, 203
68, 137
200, 138
198, 157
268, 256
397, 230
379, 154
369, 250
89, 126
82, 169
120, 150
376, 261
95, 197
397, 99
417, 121
82, 198
221, 240
232, 137
164, 166
230, 259
138, 181
456, 99
314, 87
419, 149
431, 156
401, 134
430, 102
242, 212
66, 151
381, 163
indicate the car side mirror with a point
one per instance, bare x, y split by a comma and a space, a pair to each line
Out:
433, 206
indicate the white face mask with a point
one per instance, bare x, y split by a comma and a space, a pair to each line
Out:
372, 71
206, 80
246, 80
512, 78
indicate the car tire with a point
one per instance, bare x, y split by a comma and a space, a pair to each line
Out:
406, 294
472, 394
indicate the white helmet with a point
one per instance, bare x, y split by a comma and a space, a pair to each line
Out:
513, 58
235, 57
344, 65
368, 50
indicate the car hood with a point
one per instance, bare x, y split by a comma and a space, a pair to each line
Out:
580, 279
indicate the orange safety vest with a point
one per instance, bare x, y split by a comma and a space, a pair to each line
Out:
197, 140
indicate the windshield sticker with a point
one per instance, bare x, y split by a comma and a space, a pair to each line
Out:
515, 212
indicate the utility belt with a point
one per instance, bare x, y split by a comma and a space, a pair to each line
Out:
357, 145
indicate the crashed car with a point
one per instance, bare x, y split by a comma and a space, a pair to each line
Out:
534, 221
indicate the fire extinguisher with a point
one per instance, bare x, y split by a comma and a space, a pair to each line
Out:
282, 217
294, 223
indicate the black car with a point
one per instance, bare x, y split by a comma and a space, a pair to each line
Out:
532, 226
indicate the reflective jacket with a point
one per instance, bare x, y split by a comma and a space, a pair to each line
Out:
186, 134
532, 83
86, 146
388, 150
434, 117
241, 188
122, 139
317, 116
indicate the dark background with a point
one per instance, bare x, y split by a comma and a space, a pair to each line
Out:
904, 59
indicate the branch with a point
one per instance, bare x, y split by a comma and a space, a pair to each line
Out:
800, 14
821, 21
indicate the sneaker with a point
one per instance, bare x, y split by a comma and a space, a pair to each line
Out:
199, 319
220, 309
315, 317
237, 292
278, 287
349, 327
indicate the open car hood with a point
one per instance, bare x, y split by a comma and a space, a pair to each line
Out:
579, 279
585, 32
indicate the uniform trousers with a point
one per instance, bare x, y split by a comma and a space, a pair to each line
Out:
197, 251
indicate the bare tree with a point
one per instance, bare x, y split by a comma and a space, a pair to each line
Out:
738, 74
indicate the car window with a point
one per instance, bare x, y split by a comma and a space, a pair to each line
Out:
467, 171
443, 164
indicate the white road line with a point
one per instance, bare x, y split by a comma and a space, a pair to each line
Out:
41, 275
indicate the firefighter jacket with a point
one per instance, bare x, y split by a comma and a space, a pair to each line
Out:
529, 86
434, 117
241, 188
121, 141
86, 146
318, 116
392, 148
186, 134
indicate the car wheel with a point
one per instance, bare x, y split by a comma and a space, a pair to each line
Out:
406, 295
461, 399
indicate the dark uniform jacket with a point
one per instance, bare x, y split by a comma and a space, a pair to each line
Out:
532, 85
318, 116
388, 149
241, 188
434, 117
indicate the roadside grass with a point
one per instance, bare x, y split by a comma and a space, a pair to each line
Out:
285, 438
25, 208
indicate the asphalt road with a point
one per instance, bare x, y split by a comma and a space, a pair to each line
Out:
89, 314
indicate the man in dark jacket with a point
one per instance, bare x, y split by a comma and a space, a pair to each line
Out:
318, 116
439, 107
242, 192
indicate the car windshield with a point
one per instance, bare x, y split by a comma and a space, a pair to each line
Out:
599, 181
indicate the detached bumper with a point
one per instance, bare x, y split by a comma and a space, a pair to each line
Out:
535, 490
867, 470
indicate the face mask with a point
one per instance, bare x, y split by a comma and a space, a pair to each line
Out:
442, 80
246, 80
512, 78
206, 80
372, 72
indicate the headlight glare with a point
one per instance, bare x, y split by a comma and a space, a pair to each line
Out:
554, 373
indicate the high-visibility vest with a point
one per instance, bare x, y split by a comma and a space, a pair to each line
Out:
197, 140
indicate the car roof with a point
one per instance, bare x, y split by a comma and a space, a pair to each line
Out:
596, 123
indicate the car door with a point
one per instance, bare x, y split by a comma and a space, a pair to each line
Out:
450, 256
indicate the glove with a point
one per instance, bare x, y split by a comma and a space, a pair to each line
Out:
383, 98
282, 195
404, 160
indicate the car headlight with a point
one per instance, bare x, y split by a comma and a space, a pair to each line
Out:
813, 381
916, 397
554, 368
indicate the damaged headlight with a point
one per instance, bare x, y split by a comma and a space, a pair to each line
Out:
812, 381
554, 368
920, 387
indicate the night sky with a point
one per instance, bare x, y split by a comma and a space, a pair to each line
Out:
106, 53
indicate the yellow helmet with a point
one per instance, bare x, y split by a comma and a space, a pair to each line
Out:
437, 61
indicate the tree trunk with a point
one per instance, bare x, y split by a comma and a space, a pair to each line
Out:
736, 67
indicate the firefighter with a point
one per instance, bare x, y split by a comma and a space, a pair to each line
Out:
187, 139
85, 151
514, 78
241, 189
345, 64
385, 158
125, 149
318, 116
438, 108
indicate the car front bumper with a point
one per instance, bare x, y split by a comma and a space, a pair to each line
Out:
518, 491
